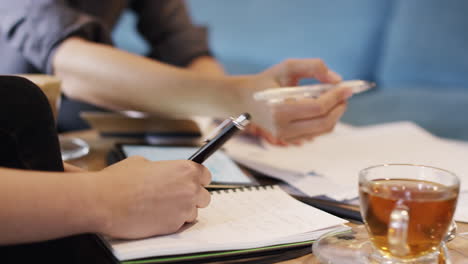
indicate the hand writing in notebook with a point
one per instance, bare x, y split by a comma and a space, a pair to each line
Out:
238, 219
158, 199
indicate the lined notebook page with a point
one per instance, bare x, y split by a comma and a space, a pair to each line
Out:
248, 218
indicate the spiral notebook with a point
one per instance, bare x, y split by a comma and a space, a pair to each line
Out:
237, 219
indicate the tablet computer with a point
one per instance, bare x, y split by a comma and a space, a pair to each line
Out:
224, 171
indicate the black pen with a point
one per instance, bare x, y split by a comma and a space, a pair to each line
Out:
226, 130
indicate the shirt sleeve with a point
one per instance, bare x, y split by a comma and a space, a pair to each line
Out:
36, 27
167, 26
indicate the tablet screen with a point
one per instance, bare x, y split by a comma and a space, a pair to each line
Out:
223, 169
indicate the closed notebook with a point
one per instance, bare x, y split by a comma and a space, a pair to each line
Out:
140, 125
236, 219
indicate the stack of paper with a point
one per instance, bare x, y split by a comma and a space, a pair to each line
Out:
330, 164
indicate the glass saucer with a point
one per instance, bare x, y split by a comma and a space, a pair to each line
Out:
349, 248
73, 148
355, 248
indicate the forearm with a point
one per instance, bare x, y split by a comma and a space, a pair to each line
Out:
206, 65
119, 80
36, 206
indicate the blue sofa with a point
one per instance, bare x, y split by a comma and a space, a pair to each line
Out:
415, 50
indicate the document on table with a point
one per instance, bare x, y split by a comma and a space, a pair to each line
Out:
334, 160
462, 208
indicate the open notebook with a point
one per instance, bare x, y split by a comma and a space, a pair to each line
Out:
245, 218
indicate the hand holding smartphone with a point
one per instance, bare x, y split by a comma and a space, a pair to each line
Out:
277, 95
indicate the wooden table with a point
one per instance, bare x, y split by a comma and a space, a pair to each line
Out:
96, 160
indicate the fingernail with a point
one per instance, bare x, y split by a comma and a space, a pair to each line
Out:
333, 76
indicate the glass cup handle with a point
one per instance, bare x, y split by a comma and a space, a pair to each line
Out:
452, 232
398, 231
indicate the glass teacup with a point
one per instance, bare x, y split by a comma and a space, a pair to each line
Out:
407, 210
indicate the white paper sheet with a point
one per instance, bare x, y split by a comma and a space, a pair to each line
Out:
338, 157
462, 208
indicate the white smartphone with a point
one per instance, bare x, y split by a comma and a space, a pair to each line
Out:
275, 95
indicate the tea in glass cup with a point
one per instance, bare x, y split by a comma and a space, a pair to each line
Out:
407, 210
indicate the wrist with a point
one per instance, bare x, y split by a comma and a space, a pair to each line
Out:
96, 216
262, 112
206, 65
240, 95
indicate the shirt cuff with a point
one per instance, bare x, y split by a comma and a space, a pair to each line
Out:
84, 27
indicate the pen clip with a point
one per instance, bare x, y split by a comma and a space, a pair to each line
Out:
217, 130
